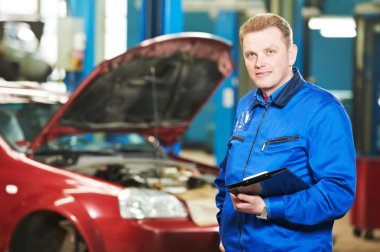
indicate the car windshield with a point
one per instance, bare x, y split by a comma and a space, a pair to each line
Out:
21, 122
107, 143
72, 150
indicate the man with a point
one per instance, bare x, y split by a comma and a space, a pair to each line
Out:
286, 122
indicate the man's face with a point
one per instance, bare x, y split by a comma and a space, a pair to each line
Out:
267, 59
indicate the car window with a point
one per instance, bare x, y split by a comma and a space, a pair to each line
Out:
21, 122
9, 127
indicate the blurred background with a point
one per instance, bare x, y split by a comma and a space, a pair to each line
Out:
61, 41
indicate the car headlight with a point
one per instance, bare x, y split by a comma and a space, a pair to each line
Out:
141, 203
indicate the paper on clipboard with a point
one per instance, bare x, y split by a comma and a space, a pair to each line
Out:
267, 184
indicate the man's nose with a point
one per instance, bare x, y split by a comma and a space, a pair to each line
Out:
259, 62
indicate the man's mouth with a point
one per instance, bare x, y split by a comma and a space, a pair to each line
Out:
263, 74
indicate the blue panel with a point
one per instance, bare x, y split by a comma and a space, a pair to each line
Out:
143, 19
133, 25
147, 14
341, 7
151, 18
172, 17
331, 61
227, 25
298, 32
160, 17
198, 21
201, 130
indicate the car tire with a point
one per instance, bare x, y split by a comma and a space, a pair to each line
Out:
47, 232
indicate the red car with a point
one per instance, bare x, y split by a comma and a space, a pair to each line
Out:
94, 177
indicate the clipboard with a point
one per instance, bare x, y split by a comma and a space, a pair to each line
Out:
268, 184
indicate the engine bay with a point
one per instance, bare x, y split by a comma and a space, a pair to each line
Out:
162, 174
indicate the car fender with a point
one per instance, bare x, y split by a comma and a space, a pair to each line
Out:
68, 207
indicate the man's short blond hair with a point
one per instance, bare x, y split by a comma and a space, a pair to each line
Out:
262, 21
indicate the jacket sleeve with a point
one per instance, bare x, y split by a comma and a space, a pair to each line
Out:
331, 155
220, 185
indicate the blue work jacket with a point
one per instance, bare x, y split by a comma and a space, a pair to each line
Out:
305, 129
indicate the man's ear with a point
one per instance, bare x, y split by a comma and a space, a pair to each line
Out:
292, 54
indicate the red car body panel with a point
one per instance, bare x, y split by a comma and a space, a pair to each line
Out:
42, 188
91, 205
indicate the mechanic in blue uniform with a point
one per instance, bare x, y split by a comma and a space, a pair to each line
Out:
285, 122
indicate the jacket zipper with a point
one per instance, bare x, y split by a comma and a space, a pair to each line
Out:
278, 140
245, 168
254, 140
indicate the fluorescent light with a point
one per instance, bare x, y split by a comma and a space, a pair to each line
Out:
338, 33
334, 26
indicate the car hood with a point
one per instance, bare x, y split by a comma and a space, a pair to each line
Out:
155, 89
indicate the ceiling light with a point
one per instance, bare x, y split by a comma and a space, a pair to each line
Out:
334, 26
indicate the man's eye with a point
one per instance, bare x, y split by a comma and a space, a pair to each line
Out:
249, 55
269, 52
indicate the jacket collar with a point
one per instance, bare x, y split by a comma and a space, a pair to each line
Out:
291, 88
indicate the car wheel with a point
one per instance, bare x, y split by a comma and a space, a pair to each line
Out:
47, 232
62, 237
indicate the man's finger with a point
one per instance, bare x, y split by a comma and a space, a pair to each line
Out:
245, 197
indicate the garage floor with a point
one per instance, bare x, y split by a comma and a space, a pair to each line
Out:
345, 241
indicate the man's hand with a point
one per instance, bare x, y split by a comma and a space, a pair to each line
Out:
251, 204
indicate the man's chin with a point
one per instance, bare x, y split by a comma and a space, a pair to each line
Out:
262, 84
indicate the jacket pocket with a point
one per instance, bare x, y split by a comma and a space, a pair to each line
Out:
236, 138
278, 140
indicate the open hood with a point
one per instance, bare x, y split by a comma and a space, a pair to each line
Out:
155, 89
